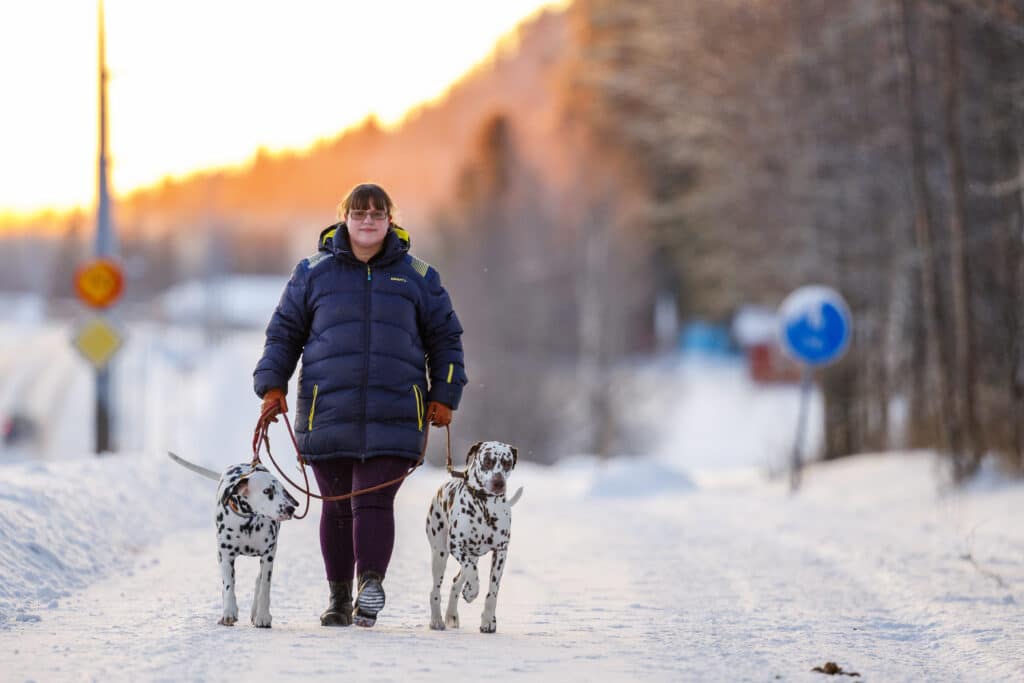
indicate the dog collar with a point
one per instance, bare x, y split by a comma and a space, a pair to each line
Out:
477, 493
234, 508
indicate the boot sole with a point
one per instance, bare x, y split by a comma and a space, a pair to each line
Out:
368, 604
336, 620
364, 620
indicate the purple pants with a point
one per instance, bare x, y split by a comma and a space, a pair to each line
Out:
358, 530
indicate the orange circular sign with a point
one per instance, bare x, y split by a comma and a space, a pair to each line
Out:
99, 283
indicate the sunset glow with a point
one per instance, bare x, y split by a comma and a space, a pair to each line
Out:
197, 84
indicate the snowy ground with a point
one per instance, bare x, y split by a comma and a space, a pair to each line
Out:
685, 564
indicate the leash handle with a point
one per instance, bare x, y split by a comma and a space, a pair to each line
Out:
261, 436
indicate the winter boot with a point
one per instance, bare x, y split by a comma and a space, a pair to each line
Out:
339, 610
370, 600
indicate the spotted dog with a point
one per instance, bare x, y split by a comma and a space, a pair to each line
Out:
251, 504
467, 518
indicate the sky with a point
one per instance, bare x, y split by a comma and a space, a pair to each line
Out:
201, 83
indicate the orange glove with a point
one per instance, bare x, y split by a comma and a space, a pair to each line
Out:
438, 414
273, 405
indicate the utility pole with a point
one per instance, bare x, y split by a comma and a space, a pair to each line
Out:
106, 245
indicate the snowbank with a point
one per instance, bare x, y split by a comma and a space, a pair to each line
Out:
25, 309
701, 413
245, 301
64, 525
621, 477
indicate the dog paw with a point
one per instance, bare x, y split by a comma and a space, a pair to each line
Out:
436, 624
227, 620
452, 621
489, 626
261, 621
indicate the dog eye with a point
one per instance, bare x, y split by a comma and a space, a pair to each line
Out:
266, 491
488, 463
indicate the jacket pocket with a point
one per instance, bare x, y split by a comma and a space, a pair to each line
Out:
419, 406
312, 406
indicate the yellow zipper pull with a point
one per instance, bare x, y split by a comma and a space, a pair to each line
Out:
312, 406
419, 406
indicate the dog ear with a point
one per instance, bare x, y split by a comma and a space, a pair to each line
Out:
515, 455
473, 450
233, 480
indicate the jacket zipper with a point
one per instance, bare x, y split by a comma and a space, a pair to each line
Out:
419, 406
366, 355
312, 406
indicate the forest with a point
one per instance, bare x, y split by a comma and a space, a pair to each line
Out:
615, 154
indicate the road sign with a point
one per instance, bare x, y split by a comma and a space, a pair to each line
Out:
99, 283
815, 325
814, 328
98, 340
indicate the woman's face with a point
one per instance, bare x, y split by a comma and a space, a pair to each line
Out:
367, 228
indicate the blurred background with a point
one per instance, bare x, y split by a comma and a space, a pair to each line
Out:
606, 188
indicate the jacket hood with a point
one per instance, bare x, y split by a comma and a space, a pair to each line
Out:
334, 239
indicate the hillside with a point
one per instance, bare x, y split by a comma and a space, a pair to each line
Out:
418, 161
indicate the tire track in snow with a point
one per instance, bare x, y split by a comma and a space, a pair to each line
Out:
920, 614
825, 582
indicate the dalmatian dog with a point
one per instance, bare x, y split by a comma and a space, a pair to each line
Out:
251, 504
467, 519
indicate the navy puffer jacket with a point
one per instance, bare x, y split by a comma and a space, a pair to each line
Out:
366, 333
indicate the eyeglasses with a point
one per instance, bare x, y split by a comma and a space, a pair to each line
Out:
359, 215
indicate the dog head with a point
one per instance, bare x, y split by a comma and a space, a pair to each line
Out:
254, 490
489, 464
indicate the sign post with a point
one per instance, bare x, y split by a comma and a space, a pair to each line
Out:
99, 284
814, 329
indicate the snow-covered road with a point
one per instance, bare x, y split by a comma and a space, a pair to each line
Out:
682, 564
732, 581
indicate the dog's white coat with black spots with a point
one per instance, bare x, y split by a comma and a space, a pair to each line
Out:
251, 504
467, 519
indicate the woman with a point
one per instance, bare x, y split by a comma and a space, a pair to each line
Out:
368, 319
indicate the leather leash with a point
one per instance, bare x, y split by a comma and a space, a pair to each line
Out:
260, 437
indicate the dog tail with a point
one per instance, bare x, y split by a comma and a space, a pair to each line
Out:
515, 497
209, 474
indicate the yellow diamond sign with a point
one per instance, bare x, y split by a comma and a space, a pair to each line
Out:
98, 341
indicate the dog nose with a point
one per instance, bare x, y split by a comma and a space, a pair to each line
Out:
289, 510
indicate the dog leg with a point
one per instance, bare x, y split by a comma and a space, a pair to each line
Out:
437, 565
227, 575
472, 587
437, 534
488, 623
466, 582
451, 617
261, 599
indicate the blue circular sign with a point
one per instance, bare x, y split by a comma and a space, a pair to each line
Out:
815, 325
